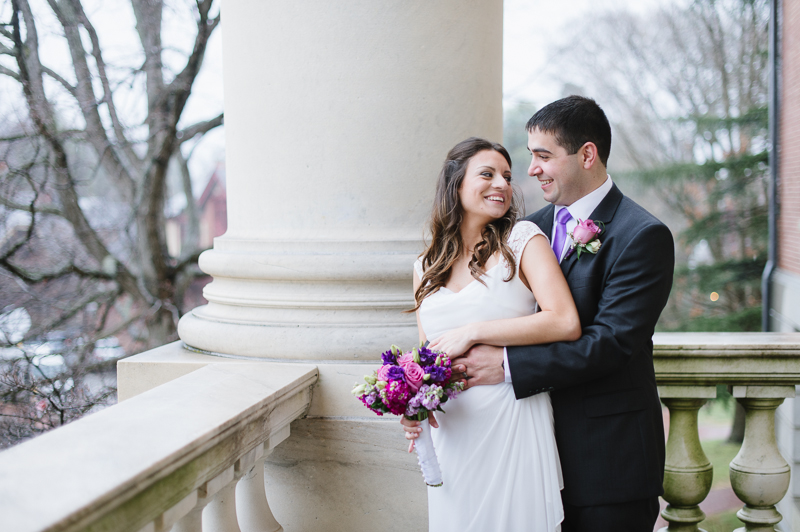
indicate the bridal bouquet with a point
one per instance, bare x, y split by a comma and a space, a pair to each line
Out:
412, 384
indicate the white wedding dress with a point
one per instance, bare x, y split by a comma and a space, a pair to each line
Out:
498, 454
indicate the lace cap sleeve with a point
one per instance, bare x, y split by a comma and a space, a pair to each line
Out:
418, 267
521, 234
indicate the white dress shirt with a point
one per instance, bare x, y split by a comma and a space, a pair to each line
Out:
581, 209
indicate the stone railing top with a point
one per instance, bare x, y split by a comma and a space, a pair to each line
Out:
121, 466
752, 359
724, 343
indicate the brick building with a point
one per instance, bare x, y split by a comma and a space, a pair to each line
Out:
785, 286
783, 302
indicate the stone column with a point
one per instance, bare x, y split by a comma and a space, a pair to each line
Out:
338, 116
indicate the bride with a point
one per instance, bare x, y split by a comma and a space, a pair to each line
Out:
487, 279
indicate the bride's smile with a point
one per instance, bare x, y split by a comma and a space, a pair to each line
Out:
486, 190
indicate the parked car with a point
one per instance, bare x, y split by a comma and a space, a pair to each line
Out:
108, 349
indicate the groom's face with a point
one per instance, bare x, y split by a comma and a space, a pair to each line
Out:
559, 173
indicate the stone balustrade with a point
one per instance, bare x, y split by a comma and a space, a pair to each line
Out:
760, 370
185, 448
187, 455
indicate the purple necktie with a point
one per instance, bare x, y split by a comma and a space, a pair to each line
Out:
560, 233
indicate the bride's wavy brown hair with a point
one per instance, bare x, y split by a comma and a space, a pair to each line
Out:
446, 245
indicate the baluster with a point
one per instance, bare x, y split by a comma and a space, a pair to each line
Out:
759, 474
687, 472
251, 497
176, 514
220, 514
193, 520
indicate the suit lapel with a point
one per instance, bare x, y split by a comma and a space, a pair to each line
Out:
568, 262
608, 207
604, 212
544, 219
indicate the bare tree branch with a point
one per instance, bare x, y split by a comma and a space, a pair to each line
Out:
87, 99
124, 325
191, 239
108, 95
42, 115
56, 76
32, 278
87, 289
42, 209
69, 312
149, 16
10, 73
165, 112
188, 261
201, 128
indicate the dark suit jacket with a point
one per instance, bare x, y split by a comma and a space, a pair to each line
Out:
607, 413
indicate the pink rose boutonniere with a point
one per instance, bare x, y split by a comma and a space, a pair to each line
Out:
585, 237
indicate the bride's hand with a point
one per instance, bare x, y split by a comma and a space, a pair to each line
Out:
412, 428
456, 342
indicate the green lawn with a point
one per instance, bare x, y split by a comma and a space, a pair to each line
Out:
724, 522
717, 411
720, 453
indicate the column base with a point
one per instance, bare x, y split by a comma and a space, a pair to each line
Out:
305, 300
337, 474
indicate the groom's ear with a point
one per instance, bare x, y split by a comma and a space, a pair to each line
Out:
588, 155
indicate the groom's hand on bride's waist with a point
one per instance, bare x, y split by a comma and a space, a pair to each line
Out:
481, 364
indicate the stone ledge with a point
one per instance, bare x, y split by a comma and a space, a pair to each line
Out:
698, 359
122, 467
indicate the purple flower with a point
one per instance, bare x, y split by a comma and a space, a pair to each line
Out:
437, 373
426, 356
373, 402
389, 358
396, 373
412, 410
431, 396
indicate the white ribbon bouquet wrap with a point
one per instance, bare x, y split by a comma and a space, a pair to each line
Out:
412, 384
426, 455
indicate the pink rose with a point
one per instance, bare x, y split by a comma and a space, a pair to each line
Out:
585, 232
383, 373
414, 372
405, 359
414, 375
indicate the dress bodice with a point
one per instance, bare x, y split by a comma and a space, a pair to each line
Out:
496, 299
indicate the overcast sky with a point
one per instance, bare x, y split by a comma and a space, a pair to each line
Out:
533, 30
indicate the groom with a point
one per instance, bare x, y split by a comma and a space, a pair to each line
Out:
607, 413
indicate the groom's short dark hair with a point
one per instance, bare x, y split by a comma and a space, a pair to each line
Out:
574, 121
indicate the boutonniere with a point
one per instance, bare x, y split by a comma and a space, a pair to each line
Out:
585, 237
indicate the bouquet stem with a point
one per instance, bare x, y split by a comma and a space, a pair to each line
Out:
426, 454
